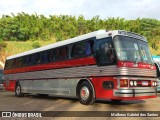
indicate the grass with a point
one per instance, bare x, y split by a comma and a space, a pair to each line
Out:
15, 47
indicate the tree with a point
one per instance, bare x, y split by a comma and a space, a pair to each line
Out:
23, 27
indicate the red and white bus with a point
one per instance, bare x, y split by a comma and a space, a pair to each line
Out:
114, 65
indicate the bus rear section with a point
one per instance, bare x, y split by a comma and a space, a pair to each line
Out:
114, 65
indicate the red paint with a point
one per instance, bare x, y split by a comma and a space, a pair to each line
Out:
10, 86
54, 65
133, 65
133, 98
98, 86
102, 93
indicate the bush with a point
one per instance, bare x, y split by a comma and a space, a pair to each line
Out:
2, 45
36, 45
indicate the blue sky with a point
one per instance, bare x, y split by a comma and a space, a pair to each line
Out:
128, 9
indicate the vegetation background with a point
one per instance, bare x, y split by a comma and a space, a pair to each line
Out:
22, 32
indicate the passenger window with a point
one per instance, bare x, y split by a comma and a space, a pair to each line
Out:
81, 49
38, 58
24, 61
62, 53
28, 60
52, 55
46, 55
18, 62
9, 64
43, 57
33, 59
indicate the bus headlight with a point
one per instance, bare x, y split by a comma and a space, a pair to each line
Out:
135, 83
131, 83
152, 83
155, 83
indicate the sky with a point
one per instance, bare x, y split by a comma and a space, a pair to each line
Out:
128, 9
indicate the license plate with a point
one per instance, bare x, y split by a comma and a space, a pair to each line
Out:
145, 83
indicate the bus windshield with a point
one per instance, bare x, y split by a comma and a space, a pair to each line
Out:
131, 49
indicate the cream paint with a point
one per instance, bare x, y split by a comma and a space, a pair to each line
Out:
1, 64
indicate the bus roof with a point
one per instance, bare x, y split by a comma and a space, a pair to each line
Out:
58, 44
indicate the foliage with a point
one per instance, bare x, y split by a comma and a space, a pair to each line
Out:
2, 45
15, 47
24, 27
36, 45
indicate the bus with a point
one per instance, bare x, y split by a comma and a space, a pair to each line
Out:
115, 65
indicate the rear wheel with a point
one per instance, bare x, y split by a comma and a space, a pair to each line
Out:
85, 93
18, 91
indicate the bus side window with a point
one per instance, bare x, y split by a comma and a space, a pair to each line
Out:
9, 64
33, 59
81, 49
52, 55
28, 60
12, 63
16, 62
38, 58
44, 57
20, 62
46, 54
62, 53
24, 61
88, 48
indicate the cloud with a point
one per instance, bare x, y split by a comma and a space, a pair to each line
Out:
129, 9
8, 6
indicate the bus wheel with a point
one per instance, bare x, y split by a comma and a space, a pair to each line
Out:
18, 92
85, 93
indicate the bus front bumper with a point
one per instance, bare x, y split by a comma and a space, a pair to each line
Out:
135, 92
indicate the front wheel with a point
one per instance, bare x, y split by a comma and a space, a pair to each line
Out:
18, 92
85, 93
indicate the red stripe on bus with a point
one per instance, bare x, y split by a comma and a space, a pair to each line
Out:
133, 65
53, 65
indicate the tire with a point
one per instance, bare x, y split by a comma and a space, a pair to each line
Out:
18, 92
85, 93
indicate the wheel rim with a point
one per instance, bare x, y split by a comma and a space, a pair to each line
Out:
18, 90
84, 93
